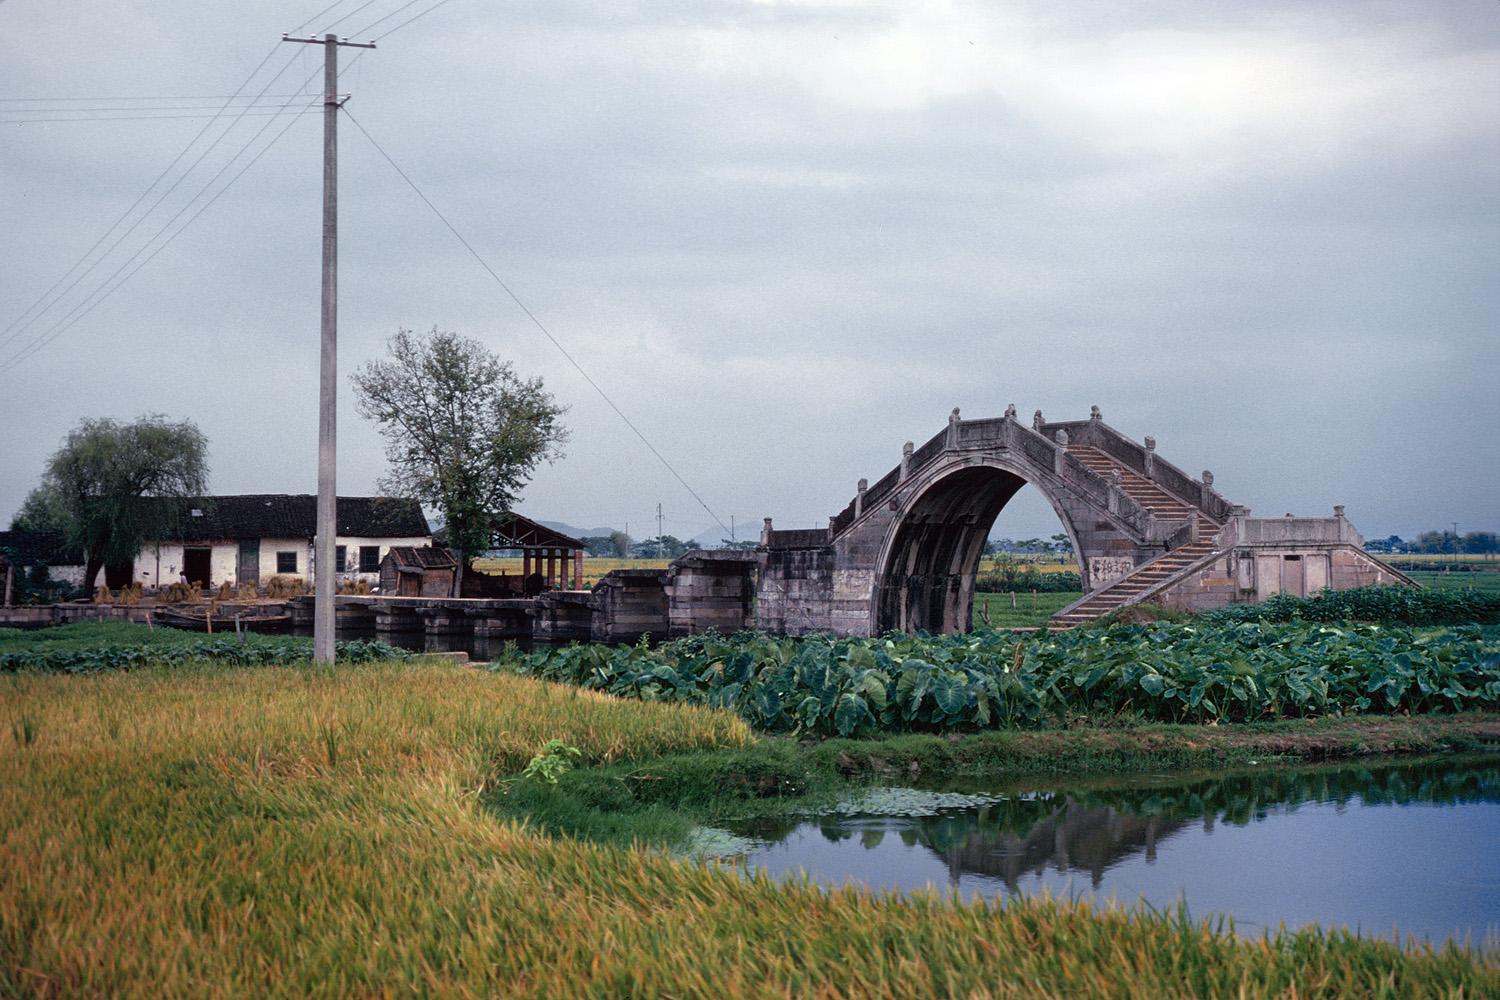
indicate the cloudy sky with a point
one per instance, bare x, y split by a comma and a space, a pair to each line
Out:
784, 237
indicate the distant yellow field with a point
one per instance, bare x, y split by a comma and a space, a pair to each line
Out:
593, 569
1439, 558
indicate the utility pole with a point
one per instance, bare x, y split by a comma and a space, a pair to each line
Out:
324, 579
658, 531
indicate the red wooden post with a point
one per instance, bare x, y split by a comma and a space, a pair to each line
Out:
551, 568
577, 569
525, 563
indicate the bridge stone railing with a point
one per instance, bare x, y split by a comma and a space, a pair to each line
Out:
1144, 461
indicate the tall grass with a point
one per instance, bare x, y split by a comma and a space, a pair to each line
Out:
284, 832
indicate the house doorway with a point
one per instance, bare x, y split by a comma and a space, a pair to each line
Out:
247, 568
195, 565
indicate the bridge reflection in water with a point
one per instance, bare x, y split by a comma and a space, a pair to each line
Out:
1408, 845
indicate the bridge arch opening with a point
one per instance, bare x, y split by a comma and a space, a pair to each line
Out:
928, 569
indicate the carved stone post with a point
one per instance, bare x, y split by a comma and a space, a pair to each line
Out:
859, 500
1095, 415
1010, 412
953, 422
1207, 491
906, 460
1116, 491
1060, 452
1150, 457
765, 533
1036, 421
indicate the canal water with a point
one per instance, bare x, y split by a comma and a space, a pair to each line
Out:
481, 649
1382, 849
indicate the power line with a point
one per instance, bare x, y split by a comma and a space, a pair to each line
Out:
204, 97
70, 320
409, 20
6, 335
366, 29
85, 307
311, 109
537, 322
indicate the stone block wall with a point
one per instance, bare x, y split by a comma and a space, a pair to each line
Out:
711, 590
630, 603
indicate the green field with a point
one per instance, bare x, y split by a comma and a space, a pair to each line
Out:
1002, 615
1484, 583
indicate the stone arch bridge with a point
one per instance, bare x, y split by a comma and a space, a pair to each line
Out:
904, 553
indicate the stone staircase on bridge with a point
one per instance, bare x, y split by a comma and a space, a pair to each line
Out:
1142, 490
1128, 589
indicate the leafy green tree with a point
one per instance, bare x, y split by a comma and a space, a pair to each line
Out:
1061, 543
1477, 542
662, 547
463, 431
107, 480
615, 545
42, 510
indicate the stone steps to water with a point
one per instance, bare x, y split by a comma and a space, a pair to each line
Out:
1132, 585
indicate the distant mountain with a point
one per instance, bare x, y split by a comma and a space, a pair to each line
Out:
573, 532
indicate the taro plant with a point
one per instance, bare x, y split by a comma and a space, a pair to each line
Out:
554, 760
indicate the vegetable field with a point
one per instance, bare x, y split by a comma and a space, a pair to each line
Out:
92, 646
1175, 673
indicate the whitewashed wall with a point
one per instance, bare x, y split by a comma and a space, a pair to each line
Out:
158, 565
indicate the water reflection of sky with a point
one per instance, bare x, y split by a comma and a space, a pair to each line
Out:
1432, 870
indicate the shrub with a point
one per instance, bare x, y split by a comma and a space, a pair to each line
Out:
1389, 605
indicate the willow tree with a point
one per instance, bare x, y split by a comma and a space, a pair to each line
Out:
463, 431
108, 481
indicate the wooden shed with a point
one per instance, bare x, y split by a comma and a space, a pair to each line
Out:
407, 571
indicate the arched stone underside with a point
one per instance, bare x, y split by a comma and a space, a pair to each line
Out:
904, 552
927, 580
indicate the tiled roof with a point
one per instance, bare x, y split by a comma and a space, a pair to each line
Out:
408, 557
295, 515
512, 531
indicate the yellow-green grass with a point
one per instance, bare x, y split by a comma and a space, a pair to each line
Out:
1437, 559
284, 832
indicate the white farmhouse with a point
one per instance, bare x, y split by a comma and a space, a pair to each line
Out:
249, 539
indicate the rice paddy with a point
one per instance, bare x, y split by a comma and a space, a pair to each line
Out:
287, 831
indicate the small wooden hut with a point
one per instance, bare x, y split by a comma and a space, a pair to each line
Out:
545, 553
407, 571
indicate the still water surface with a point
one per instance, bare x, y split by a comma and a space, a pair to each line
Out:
1409, 848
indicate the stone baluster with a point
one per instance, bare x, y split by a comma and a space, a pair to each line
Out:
1207, 491
859, 499
1036, 421
1010, 412
1150, 457
765, 533
953, 422
1116, 491
1060, 452
906, 450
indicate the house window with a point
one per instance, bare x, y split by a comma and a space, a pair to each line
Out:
286, 562
369, 558
339, 559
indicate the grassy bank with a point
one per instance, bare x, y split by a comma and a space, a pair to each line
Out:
661, 800
283, 831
